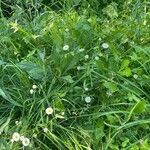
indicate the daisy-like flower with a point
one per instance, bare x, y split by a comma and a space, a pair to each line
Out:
45, 130
22, 138
34, 86
88, 99
49, 110
16, 136
96, 58
86, 89
25, 142
14, 26
66, 47
78, 67
86, 56
105, 45
31, 91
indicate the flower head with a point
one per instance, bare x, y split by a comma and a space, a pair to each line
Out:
31, 91
86, 56
105, 45
135, 76
49, 110
66, 47
34, 86
25, 142
16, 136
96, 58
45, 130
88, 99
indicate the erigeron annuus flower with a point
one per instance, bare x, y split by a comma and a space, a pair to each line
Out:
105, 45
49, 110
66, 47
16, 136
34, 86
45, 130
88, 99
14, 26
86, 56
31, 91
96, 58
25, 142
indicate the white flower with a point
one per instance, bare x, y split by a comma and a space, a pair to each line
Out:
16, 136
105, 45
25, 142
79, 68
96, 58
81, 49
22, 138
135, 76
34, 86
49, 110
86, 56
31, 91
88, 99
66, 47
86, 89
45, 130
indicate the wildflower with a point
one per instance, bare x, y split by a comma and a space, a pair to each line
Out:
31, 91
86, 56
14, 25
22, 138
105, 45
66, 47
81, 49
86, 89
45, 130
15, 136
25, 142
49, 110
96, 58
79, 68
135, 76
88, 99
34, 86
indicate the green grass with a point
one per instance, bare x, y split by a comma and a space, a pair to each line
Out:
117, 78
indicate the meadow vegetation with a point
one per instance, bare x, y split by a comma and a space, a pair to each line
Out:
75, 75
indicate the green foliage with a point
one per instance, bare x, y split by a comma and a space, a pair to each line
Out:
75, 75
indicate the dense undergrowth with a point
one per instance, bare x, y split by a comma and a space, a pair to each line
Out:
88, 63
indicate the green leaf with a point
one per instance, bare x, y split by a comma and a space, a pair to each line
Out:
140, 107
111, 86
68, 79
126, 72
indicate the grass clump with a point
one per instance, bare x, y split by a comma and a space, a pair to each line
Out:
75, 79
